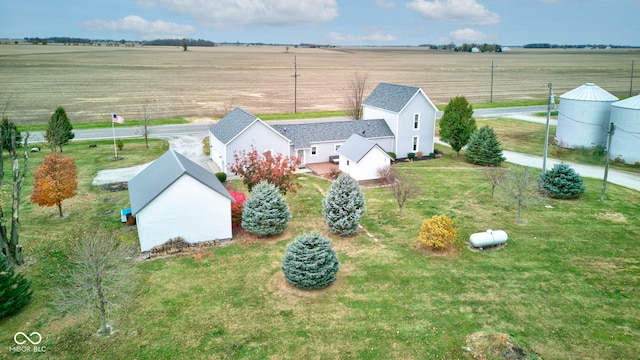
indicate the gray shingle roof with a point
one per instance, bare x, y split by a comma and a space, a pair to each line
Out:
302, 135
356, 148
232, 124
390, 96
163, 172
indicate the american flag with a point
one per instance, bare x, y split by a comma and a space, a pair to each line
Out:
117, 119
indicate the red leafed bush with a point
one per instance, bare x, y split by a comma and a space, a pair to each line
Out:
236, 208
276, 169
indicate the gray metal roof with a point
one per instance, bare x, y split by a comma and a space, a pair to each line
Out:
232, 124
303, 135
357, 147
163, 172
589, 92
390, 96
629, 103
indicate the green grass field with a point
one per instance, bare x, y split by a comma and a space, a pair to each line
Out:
566, 286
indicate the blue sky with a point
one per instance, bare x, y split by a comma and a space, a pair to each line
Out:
336, 22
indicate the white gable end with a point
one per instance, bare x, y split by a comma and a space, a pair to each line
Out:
188, 209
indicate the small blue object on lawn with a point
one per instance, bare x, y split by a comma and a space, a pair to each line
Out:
124, 213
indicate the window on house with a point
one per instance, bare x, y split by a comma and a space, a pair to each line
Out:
314, 150
347, 162
336, 147
414, 144
416, 121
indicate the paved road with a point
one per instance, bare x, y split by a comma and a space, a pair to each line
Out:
618, 177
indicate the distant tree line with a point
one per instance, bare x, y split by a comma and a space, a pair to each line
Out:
582, 46
465, 47
69, 40
179, 42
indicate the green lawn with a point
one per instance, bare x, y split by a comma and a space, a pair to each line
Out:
528, 137
566, 285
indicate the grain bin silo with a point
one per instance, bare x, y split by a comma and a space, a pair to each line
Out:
583, 117
625, 141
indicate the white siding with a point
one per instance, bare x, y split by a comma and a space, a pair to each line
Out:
367, 167
188, 209
260, 136
328, 149
389, 117
406, 132
217, 150
401, 124
325, 150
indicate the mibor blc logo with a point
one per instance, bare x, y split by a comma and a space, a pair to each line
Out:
27, 343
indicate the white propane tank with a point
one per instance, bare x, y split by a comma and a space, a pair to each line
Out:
488, 238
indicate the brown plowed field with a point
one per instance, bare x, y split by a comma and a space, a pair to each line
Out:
92, 82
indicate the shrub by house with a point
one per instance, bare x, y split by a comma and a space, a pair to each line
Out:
265, 212
344, 206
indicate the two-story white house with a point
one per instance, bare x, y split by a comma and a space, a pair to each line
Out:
400, 119
410, 114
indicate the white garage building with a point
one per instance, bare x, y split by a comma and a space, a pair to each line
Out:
176, 197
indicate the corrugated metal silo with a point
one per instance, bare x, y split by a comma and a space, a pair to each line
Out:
583, 117
625, 141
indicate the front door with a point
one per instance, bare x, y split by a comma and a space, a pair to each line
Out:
301, 156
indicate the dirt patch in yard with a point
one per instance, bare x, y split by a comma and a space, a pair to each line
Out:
613, 217
484, 346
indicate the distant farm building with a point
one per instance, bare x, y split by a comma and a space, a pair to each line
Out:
625, 141
583, 117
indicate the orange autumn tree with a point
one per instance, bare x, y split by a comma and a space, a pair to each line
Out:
54, 181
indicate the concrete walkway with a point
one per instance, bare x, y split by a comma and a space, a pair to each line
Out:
618, 177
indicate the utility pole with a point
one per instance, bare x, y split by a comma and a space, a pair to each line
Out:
295, 85
631, 84
546, 136
491, 95
606, 162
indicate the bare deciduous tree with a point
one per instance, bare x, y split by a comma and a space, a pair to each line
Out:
146, 115
355, 95
518, 188
227, 106
402, 185
494, 177
10, 248
100, 276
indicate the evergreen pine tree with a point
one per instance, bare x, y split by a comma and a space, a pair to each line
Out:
7, 127
59, 129
265, 212
344, 206
457, 123
309, 262
15, 290
484, 148
561, 182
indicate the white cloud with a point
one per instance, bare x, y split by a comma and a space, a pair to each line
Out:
468, 36
144, 29
239, 13
385, 4
460, 11
372, 35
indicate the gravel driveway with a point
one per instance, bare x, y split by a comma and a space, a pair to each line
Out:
187, 145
